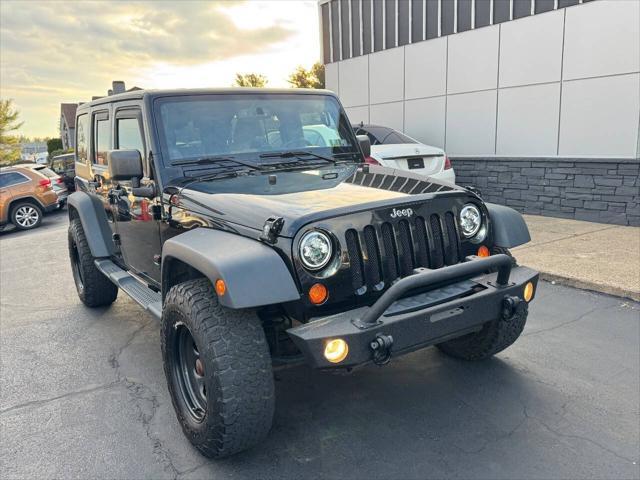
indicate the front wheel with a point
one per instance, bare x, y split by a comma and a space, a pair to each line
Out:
218, 370
494, 337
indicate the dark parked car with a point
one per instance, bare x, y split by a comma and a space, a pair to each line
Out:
65, 166
247, 222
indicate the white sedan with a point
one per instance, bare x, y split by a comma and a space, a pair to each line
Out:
393, 149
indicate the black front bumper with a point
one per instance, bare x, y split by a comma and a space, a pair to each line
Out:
453, 301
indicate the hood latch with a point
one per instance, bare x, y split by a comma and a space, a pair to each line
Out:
271, 229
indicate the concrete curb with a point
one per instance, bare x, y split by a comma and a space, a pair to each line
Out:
595, 287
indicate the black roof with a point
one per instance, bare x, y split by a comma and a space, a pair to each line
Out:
138, 94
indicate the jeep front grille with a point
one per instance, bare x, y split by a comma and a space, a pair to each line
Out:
381, 253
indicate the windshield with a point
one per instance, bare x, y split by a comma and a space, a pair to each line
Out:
245, 125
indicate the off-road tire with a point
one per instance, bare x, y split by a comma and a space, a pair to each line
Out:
238, 377
494, 337
504, 251
94, 289
33, 207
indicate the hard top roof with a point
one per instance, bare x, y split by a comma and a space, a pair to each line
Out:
138, 94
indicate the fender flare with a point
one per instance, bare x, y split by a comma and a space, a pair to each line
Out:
90, 210
509, 227
254, 274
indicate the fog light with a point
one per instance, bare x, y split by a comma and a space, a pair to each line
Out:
221, 287
483, 251
336, 350
318, 294
528, 292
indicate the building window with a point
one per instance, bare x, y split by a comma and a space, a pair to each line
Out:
346, 36
355, 28
390, 23
447, 18
326, 32
378, 26
335, 31
366, 27
417, 18
433, 17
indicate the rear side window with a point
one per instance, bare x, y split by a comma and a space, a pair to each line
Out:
129, 135
384, 135
82, 132
102, 141
12, 178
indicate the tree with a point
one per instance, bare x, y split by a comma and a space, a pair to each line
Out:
54, 144
9, 143
250, 80
312, 78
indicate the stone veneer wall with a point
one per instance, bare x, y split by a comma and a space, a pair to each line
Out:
596, 190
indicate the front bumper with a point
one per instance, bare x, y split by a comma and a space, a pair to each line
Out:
459, 299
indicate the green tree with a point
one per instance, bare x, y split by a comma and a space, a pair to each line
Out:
250, 80
9, 142
312, 78
54, 144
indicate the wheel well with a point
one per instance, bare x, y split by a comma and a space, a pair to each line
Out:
176, 271
17, 201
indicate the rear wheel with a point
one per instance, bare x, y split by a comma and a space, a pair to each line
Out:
94, 289
26, 215
218, 370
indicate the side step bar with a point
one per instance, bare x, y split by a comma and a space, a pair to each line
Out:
150, 300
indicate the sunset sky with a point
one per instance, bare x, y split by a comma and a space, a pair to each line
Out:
53, 52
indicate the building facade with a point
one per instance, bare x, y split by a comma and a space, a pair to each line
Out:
537, 102
68, 125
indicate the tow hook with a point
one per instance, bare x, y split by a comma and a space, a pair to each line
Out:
510, 306
381, 347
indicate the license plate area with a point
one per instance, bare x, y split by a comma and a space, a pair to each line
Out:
415, 163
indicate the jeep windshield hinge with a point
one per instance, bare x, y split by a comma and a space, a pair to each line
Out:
271, 229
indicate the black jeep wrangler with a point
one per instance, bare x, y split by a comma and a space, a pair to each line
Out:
247, 222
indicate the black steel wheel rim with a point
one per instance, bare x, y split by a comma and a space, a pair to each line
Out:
75, 265
188, 372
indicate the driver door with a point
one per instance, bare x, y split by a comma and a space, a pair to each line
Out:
137, 229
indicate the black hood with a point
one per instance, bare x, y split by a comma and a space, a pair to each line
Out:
302, 197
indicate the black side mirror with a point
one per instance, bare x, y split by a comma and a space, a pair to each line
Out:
365, 145
124, 164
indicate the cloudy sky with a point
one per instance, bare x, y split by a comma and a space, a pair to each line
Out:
53, 52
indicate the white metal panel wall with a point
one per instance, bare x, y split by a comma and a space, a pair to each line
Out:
561, 83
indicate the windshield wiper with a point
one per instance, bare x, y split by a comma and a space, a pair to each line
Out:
215, 161
298, 155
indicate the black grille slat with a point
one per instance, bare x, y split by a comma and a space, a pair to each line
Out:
381, 253
372, 265
405, 249
437, 252
355, 259
391, 252
452, 254
422, 254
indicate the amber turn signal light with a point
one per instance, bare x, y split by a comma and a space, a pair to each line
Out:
318, 294
221, 287
528, 292
483, 251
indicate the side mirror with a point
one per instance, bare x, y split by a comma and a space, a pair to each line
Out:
124, 164
365, 145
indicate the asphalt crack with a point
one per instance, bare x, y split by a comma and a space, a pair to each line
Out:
39, 403
146, 402
568, 322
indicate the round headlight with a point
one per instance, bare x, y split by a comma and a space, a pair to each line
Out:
315, 249
470, 220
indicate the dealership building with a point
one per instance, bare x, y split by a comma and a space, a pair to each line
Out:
537, 102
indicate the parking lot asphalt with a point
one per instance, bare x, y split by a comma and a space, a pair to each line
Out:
83, 394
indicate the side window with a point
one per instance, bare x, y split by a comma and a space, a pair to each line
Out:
102, 140
82, 132
129, 136
12, 178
